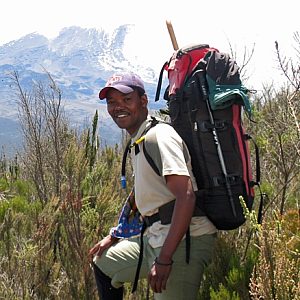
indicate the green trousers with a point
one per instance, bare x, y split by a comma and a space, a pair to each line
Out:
119, 262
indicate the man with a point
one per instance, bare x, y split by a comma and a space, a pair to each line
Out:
164, 257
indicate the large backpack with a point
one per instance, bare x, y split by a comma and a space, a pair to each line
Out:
205, 100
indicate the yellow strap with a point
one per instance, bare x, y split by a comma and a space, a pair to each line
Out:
138, 141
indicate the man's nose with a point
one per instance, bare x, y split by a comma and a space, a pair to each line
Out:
119, 105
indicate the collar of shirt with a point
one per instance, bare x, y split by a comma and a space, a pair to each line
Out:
142, 128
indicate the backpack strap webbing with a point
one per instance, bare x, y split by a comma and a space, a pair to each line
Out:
134, 145
158, 89
140, 260
165, 212
257, 180
150, 161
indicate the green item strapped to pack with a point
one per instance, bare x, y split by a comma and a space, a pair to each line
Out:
225, 89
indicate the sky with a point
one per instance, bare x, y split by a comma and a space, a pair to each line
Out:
243, 24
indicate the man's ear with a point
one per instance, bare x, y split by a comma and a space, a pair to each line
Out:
144, 99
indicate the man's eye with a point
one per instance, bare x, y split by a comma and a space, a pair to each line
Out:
110, 102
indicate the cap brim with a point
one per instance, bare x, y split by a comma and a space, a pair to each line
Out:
121, 88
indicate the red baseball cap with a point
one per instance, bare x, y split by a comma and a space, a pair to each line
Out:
123, 82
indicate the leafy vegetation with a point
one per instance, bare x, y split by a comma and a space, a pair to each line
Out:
62, 194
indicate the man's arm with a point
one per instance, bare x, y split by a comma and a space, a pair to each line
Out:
181, 188
102, 245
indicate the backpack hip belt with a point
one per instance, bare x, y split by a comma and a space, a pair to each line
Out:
165, 213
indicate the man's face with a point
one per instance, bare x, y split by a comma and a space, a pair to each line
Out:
128, 111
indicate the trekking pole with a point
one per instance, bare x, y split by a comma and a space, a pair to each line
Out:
216, 139
172, 35
175, 47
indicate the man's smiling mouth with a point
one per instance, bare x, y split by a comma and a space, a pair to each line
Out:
121, 115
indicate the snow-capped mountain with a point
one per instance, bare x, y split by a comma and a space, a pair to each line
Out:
79, 60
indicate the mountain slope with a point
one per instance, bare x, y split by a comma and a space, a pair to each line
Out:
79, 60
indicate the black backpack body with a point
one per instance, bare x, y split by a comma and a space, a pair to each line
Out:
205, 101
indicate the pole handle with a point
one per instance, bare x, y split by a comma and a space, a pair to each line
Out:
172, 35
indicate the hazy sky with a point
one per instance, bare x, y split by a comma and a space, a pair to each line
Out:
243, 23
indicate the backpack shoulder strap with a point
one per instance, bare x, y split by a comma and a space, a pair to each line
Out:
135, 145
152, 154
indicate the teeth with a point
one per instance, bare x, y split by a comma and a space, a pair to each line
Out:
122, 115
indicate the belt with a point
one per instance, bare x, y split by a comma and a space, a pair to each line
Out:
165, 213
149, 220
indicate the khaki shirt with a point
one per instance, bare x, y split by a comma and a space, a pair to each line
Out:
151, 190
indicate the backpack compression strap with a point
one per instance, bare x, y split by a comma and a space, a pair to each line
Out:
134, 145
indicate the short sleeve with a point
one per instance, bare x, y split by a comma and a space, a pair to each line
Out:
172, 152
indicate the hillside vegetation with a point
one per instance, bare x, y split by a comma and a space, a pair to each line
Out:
62, 193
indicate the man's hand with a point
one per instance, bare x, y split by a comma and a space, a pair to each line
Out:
158, 276
104, 244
